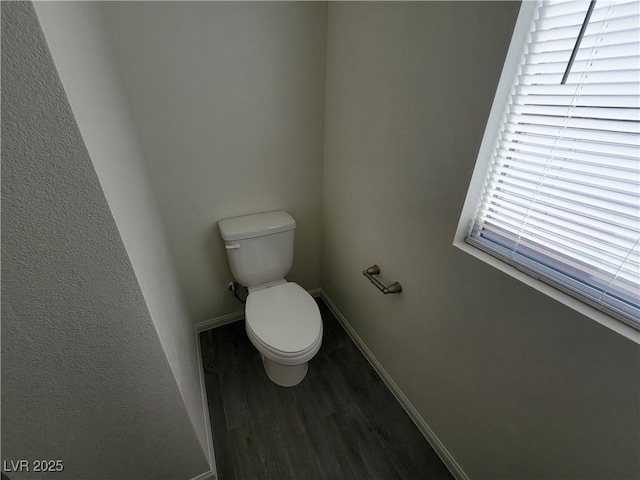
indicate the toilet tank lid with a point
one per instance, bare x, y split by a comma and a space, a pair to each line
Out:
255, 225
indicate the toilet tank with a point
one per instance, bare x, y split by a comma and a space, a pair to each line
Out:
259, 246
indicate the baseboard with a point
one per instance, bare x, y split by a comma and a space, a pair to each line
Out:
315, 292
205, 476
448, 459
219, 321
211, 474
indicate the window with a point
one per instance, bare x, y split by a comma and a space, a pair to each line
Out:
560, 199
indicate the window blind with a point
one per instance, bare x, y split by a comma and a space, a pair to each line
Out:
561, 198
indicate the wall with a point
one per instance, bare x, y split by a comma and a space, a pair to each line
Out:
81, 50
228, 99
513, 383
84, 375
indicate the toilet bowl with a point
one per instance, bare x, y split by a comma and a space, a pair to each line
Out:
284, 324
282, 320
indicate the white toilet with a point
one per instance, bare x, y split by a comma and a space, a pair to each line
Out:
282, 320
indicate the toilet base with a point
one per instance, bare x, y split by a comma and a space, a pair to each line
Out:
285, 375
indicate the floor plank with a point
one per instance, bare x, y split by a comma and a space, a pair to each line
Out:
341, 422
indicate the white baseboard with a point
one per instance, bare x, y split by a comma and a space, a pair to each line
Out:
315, 292
211, 474
205, 476
448, 459
219, 321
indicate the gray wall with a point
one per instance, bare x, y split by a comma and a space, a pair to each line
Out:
228, 99
513, 383
80, 47
84, 375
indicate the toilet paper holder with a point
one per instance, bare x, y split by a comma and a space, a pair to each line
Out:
395, 287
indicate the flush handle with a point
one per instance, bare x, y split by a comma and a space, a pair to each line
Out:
233, 246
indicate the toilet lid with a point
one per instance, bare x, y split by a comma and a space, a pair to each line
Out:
284, 317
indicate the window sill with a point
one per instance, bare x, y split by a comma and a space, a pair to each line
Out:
573, 303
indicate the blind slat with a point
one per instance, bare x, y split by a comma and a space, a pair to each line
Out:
607, 125
577, 134
549, 10
603, 113
628, 88
573, 13
609, 51
624, 101
595, 65
576, 76
584, 144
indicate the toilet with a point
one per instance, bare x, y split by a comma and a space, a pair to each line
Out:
281, 319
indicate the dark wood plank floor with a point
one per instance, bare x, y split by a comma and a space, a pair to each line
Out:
341, 422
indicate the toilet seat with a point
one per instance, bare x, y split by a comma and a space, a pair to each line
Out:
280, 356
284, 323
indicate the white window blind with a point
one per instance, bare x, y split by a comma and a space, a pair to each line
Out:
561, 199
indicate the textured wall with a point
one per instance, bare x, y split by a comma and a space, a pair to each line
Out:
513, 383
228, 99
84, 376
81, 51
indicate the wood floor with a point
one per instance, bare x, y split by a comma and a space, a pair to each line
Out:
341, 422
